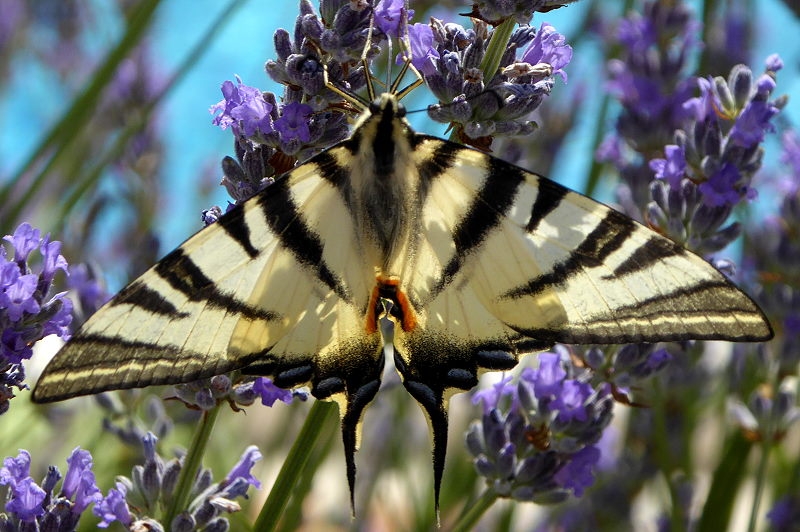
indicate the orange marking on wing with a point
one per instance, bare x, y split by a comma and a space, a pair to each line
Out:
409, 317
372, 315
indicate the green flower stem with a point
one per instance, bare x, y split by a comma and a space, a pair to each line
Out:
497, 47
494, 53
292, 470
475, 511
761, 477
191, 464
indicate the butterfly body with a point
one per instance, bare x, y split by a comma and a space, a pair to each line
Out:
480, 260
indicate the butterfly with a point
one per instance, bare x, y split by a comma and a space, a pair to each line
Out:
474, 260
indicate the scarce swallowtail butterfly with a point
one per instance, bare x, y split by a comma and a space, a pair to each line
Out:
475, 260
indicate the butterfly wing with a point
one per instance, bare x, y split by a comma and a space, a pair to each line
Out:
509, 262
257, 291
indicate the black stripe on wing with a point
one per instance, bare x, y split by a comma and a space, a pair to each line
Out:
442, 158
236, 227
607, 237
283, 217
654, 250
548, 197
492, 203
140, 295
105, 363
183, 274
701, 302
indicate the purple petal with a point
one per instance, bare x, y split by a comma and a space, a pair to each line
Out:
423, 51
293, 123
576, 474
242, 468
721, 188
113, 507
270, 393
673, 168
19, 297
243, 109
492, 395
549, 46
53, 259
78, 462
548, 378
26, 500
25, 239
571, 400
389, 16
15, 469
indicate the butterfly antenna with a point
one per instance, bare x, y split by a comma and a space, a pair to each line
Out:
405, 47
350, 97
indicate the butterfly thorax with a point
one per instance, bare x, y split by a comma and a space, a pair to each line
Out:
383, 184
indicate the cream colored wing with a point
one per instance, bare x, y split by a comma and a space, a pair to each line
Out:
275, 287
509, 262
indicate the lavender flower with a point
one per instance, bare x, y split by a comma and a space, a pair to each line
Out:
722, 145
422, 47
672, 169
33, 507
549, 47
89, 293
132, 502
243, 109
767, 418
389, 16
114, 507
484, 104
28, 309
541, 446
